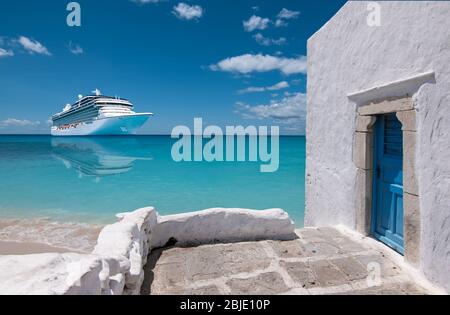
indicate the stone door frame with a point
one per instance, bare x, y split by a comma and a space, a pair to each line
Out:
363, 148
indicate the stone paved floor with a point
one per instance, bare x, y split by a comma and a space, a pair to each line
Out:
320, 261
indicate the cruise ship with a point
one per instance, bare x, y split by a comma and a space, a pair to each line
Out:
98, 115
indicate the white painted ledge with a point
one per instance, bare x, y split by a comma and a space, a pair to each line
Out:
50, 274
403, 87
223, 225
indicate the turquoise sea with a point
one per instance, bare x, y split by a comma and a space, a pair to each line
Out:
92, 178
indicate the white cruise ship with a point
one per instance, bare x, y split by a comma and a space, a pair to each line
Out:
96, 115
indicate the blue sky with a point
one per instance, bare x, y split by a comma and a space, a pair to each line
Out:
229, 62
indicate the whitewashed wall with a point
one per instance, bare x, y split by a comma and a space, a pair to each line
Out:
346, 55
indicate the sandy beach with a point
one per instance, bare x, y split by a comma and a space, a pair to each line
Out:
26, 248
31, 236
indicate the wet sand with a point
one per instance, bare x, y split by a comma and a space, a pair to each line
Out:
23, 248
31, 236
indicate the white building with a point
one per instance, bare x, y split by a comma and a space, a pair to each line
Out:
378, 128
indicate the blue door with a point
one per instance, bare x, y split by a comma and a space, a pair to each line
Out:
387, 215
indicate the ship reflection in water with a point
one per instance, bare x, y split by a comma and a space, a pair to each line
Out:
98, 156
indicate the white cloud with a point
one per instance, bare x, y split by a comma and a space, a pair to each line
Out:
284, 15
275, 87
288, 14
256, 23
265, 41
6, 53
290, 111
33, 46
13, 122
280, 23
75, 49
187, 12
248, 63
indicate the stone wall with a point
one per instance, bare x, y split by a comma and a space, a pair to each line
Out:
116, 264
346, 56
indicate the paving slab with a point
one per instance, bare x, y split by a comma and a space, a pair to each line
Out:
301, 273
263, 284
288, 249
351, 268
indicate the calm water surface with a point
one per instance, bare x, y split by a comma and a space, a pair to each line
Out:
91, 179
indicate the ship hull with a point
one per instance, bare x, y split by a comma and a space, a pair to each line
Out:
119, 125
